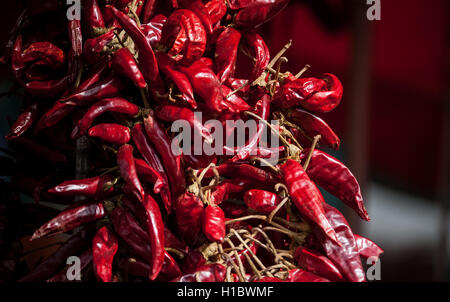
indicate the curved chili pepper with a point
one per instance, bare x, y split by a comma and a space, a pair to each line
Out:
294, 92
125, 161
171, 113
93, 18
50, 88
216, 9
23, 122
147, 60
50, 54
299, 275
104, 248
317, 264
95, 187
213, 223
123, 62
261, 201
345, 257
367, 248
259, 13
227, 46
85, 263
94, 48
336, 178
76, 37
327, 99
306, 196
198, 161
148, 174
225, 189
188, 212
202, 13
255, 46
41, 151
69, 219
192, 260
162, 143
118, 105
313, 125
111, 133
206, 273
148, 10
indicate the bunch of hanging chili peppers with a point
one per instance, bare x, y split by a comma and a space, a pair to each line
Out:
119, 78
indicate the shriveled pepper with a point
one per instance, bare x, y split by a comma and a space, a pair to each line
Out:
206, 273
23, 122
317, 264
261, 201
188, 211
125, 161
216, 9
255, 47
367, 248
111, 133
93, 18
46, 52
299, 275
227, 47
104, 248
327, 99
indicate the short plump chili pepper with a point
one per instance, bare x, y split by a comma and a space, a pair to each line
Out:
118, 105
188, 212
23, 122
259, 13
327, 99
227, 47
50, 54
312, 125
346, 256
317, 264
111, 133
147, 60
125, 161
299, 275
148, 174
93, 18
337, 179
255, 46
95, 187
207, 273
71, 218
216, 9
124, 63
367, 248
306, 196
261, 201
162, 143
104, 248
213, 223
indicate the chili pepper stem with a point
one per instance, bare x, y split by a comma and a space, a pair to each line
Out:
143, 92
308, 160
301, 72
268, 125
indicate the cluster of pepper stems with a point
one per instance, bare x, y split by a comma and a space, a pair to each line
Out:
120, 76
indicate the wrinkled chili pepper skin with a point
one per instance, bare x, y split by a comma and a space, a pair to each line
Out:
124, 63
225, 189
312, 125
261, 201
259, 12
104, 248
163, 145
213, 223
345, 257
367, 248
227, 46
306, 196
248, 171
328, 99
255, 46
70, 219
111, 133
118, 105
234, 103
189, 210
299, 275
93, 49
207, 273
23, 122
50, 55
216, 9
95, 187
125, 161
294, 92
317, 264
336, 178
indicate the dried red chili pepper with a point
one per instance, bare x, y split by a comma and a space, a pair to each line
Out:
148, 174
367, 248
259, 12
76, 37
188, 212
50, 88
216, 9
95, 187
118, 105
225, 189
153, 30
255, 47
246, 171
94, 48
227, 46
306, 196
23, 122
261, 201
269, 279
313, 125
327, 99
336, 178
299, 275
104, 248
148, 10
202, 13
234, 103
233, 210
213, 223
162, 143
111, 133
317, 264
123, 62
294, 92
206, 273
345, 257
93, 18
125, 161
50, 54
69, 219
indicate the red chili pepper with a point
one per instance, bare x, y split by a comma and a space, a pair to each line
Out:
111, 133
118, 105
234, 103
207, 273
259, 13
50, 88
41, 151
313, 125
188, 212
153, 30
150, 175
294, 92
69, 219
227, 47
336, 178
93, 18
298, 275
245, 171
95, 187
94, 48
125, 161
345, 257
327, 99
104, 248
317, 264
162, 143
233, 210
50, 54
76, 37
255, 46
213, 223
261, 201
172, 241
225, 189
17, 63
202, 13
123, 62
367, 248
198, 161
192, 261
23, 122
216, 9
306, 196
147, 61
148, 10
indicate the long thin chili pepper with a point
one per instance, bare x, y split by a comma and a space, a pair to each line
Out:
104, 248
111, 133
70, 219
123, 62
39, 150
125, 161
227, 47
317, 264
255, 46
93, 18
23, 122
50, 88
95, 187
148, 10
